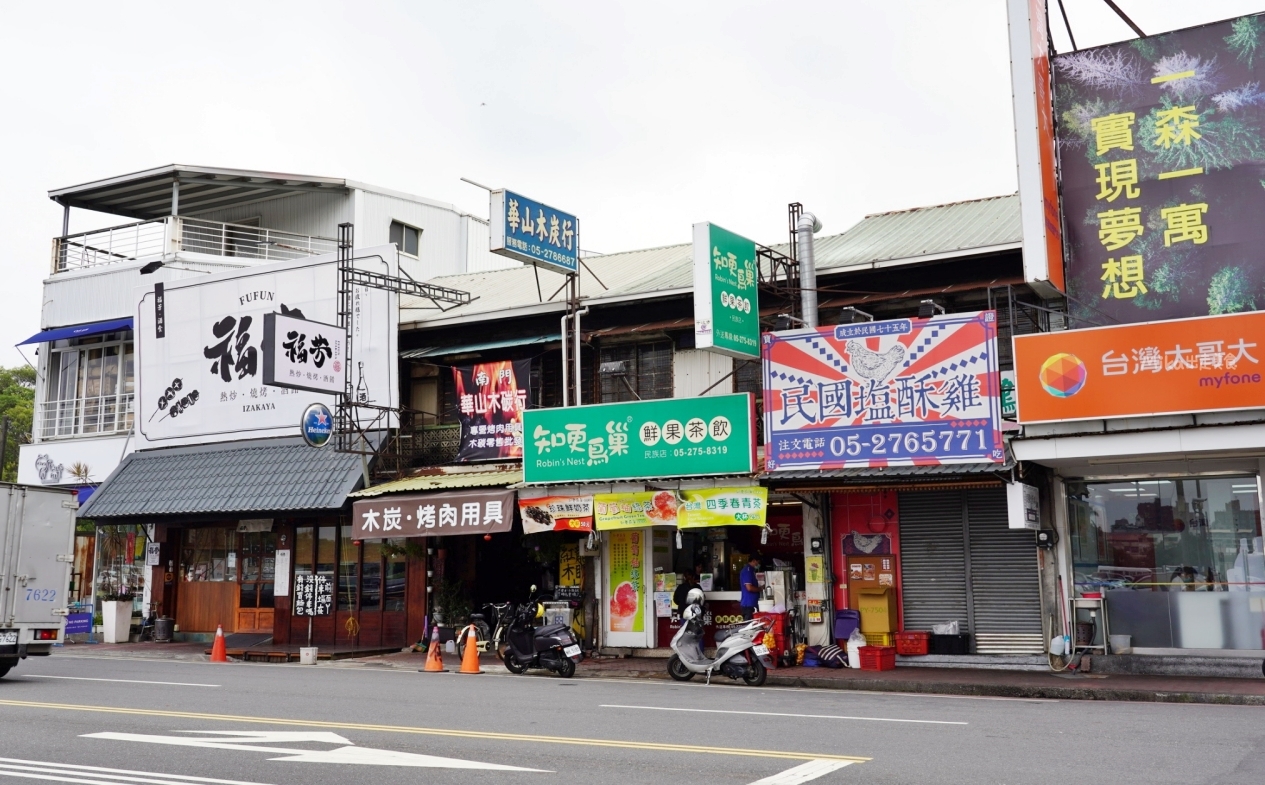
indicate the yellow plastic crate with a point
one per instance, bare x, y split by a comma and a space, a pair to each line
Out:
879, 639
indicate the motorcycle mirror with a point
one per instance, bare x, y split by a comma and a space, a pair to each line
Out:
533, 588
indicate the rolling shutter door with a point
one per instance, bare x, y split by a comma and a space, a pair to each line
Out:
933, 559
1005, 588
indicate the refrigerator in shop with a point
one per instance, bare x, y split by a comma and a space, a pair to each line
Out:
872, 591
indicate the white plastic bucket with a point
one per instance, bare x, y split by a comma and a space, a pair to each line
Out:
307, 655
1121, 644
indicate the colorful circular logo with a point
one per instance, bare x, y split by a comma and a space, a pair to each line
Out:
317, 425
1063, 375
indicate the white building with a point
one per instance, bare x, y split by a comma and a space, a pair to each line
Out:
185, 221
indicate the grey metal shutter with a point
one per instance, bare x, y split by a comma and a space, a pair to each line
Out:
933, 559
1005, 588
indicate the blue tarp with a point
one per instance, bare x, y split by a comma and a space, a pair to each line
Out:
79, 331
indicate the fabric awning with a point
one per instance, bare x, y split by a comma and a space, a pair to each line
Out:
439, 351
259, 476
79, 331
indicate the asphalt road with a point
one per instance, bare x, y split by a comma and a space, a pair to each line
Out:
103, 720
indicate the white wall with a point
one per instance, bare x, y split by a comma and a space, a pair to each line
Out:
478, 257
694, 370
314, 214
100, 293
443, 242
100, 455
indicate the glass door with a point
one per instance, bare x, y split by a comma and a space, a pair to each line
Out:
258, 554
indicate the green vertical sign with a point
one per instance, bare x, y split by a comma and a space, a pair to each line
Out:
726, 301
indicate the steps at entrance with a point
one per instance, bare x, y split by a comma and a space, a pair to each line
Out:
1005, 662
1168, 665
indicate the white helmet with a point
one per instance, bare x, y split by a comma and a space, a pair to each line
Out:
694, 597
691, 612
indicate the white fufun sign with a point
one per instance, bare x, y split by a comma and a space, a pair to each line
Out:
302, 354
204, 379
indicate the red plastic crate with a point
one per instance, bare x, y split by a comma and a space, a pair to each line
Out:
913, 643
878, 658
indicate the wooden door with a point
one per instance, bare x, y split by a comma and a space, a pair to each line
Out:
257, 553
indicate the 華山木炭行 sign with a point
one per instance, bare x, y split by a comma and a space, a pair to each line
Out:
491, 398
903, 392
672, 437
726, 297
303, 355
1203, 364
433, 514
534, 233
1161, 144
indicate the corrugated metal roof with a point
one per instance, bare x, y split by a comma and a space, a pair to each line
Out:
268, 475
449, 481
905, 236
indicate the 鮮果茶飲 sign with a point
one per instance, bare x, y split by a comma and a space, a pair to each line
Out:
726, 300
673, 437
1205, 364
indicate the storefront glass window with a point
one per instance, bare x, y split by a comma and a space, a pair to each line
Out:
326, 538
1180, 561
395, 579
303, 550
209, 555
120, 557
371, 576
347, 575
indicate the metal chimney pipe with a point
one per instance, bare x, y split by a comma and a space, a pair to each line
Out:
804, 231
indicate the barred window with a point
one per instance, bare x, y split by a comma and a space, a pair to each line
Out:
647, 371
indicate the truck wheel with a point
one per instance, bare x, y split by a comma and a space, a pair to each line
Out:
4, 669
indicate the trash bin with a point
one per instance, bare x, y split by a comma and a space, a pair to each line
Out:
162, 629
845, 622
307, 655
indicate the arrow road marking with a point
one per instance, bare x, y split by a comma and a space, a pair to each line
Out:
804, 772
68, 772
777, 714
349, 754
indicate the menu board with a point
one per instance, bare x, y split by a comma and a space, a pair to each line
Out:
313, 595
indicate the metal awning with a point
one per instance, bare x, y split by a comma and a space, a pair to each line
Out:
447, 481
260, 476
148, 194
79, 331
439, 351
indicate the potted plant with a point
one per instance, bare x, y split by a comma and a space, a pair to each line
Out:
116, 616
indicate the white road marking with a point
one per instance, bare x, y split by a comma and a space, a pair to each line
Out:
348, 754
777, 714
120, 681
69, 772
804, 772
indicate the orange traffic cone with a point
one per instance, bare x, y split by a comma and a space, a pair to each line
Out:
470, 662
434, 660
219, 651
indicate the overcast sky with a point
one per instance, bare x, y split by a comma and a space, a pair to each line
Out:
640, 117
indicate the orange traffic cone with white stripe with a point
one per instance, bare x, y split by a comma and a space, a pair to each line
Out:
470, 661
219, 650
434, 660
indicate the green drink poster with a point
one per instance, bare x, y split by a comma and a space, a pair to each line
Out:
627, 582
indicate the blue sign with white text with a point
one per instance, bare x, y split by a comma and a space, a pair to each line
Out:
534, 233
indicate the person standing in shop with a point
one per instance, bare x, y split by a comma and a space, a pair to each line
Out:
750, 586
688, 581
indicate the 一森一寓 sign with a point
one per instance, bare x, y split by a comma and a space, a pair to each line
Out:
904, 392
726, 300
673, 437
534, 233
303, 355
1161, 144
433, 514
1183, 366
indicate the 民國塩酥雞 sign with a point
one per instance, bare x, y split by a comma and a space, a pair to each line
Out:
1161, 143
726, 297
673, 437
1204, 364
432, 514
904, 392
534, 233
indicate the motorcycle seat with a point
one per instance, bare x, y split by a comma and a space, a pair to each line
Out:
477, 617
551, 629
722, 634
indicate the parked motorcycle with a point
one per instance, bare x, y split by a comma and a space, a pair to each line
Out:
738, 656
553, 647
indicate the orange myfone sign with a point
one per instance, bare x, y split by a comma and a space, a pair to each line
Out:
1204, 364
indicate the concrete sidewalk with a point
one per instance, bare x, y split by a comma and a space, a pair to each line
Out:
940, 681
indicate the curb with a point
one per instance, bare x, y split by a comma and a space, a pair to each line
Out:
1050, 692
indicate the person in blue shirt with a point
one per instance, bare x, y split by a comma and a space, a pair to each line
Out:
750, 586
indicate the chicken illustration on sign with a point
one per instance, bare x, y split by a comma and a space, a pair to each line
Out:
902, 392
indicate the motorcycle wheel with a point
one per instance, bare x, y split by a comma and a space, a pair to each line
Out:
511, 664
677, 669
566, 669
756, 673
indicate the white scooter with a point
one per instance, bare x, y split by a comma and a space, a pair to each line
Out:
738, 656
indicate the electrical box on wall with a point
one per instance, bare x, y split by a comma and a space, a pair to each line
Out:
816, 545
1023, 506
1047, 539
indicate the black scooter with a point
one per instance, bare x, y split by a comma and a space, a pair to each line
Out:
553, 647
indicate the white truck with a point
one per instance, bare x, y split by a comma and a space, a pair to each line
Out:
37, 551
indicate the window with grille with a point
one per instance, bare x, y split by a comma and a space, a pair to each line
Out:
749, 378
647, 372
